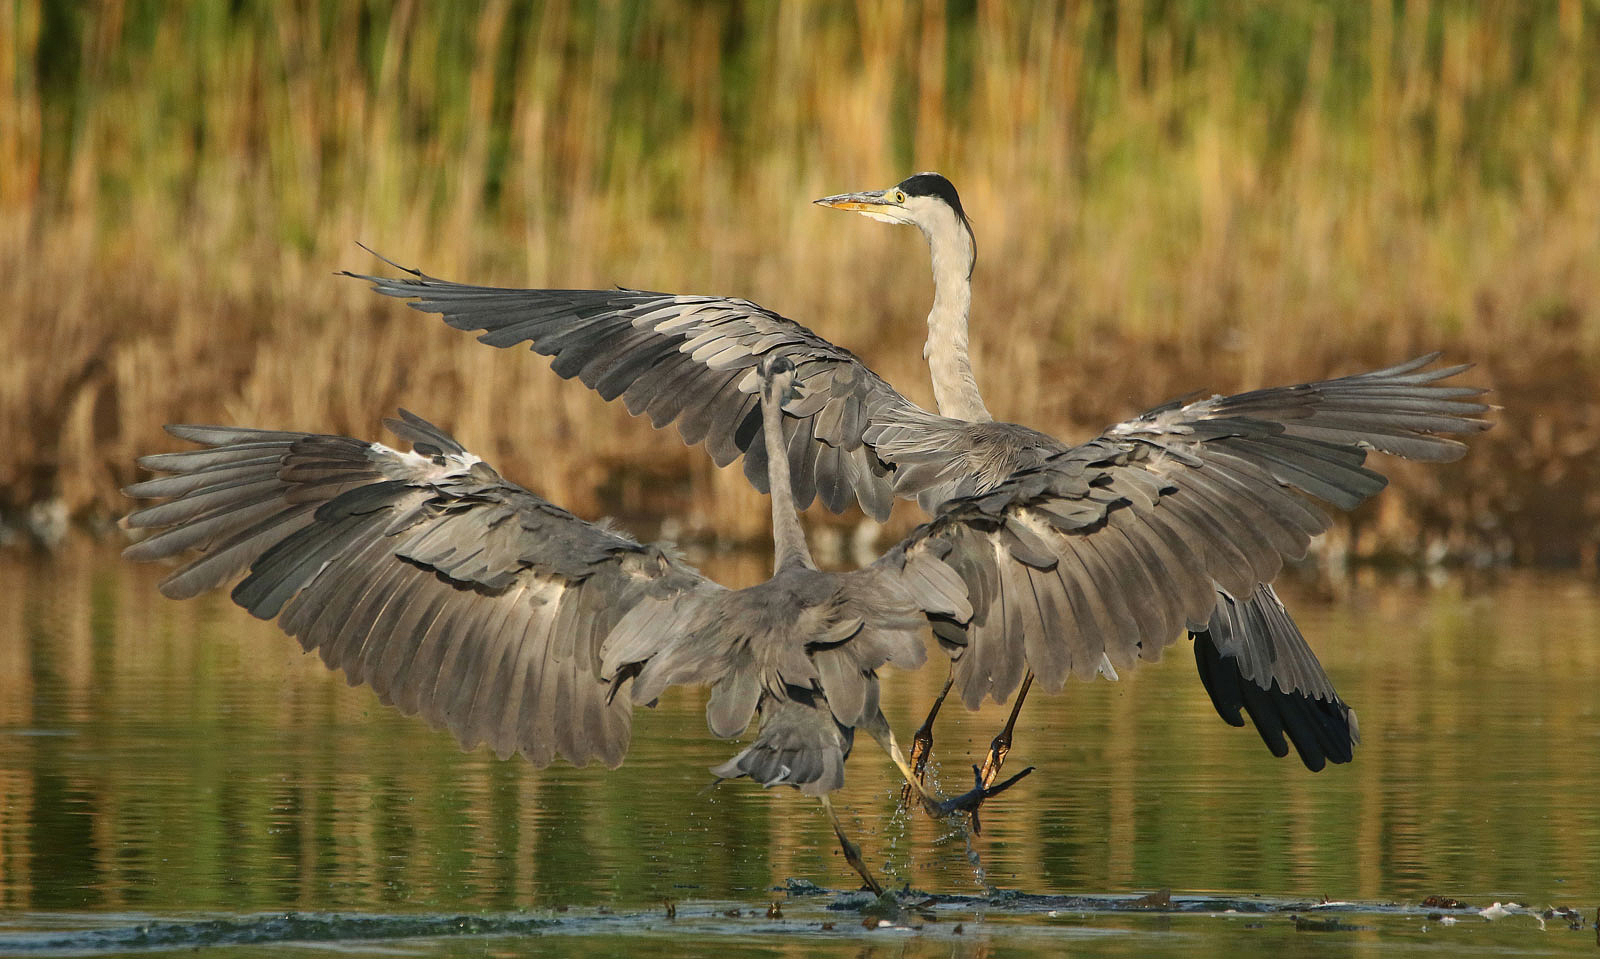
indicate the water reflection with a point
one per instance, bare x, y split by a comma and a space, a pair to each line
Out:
158, 755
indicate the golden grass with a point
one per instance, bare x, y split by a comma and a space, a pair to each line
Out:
1164, 199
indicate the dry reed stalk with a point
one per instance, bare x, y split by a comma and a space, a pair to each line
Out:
1162, 201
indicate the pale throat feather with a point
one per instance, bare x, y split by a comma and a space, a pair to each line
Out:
955, 388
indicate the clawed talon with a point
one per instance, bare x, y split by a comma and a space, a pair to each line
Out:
998, 751
970, 800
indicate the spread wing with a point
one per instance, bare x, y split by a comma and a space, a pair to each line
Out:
691, 360
425, 575
1102, 554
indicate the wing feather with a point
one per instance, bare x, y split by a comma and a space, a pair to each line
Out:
449, 591
1252, 657
1152, 524
677, 358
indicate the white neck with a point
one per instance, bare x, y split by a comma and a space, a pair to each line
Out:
788, 537
955, 388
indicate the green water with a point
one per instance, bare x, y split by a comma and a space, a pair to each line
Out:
175, 775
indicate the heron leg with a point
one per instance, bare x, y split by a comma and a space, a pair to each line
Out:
852, 852
878, 728
933, 805
1000, 747
922, 740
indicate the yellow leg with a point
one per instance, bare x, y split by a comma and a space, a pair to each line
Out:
1000, 747
938, 808
922, 740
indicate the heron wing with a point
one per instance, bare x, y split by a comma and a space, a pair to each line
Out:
1100, 555
1251, 656
691, 360
451, 592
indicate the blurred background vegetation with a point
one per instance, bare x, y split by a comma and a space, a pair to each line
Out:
1167, 195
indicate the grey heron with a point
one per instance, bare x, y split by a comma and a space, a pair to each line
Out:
1178, 518
465, 598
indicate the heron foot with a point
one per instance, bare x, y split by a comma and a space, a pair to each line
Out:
969, 801
852, 855
998, 751
1000, 746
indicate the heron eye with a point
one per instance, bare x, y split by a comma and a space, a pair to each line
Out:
899, 196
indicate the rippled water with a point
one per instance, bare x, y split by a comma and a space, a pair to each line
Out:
178, 774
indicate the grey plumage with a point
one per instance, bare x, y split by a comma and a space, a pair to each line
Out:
452, 593
801, 744
1279, 683
690, 360
803, 648
1114, 546
1137, 529
473, 602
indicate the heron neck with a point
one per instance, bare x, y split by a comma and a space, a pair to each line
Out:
788, 537
955, 388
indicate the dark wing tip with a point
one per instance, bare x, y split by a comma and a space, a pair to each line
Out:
1321, 730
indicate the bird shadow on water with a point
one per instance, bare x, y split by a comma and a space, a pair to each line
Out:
803, 915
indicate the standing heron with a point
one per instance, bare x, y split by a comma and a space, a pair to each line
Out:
1179, 518
465, 598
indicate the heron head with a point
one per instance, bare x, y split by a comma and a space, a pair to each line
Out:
927, 201
923, 199
777, 373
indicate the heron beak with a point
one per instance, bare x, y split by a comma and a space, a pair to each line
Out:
871, 204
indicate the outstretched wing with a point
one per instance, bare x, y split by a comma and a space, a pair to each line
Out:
691, 360
425, 575
1103, 553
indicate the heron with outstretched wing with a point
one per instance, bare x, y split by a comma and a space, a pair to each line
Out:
472, 601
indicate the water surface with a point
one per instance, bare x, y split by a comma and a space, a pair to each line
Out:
178, 774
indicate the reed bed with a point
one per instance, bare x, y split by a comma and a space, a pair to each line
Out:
1166, 196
